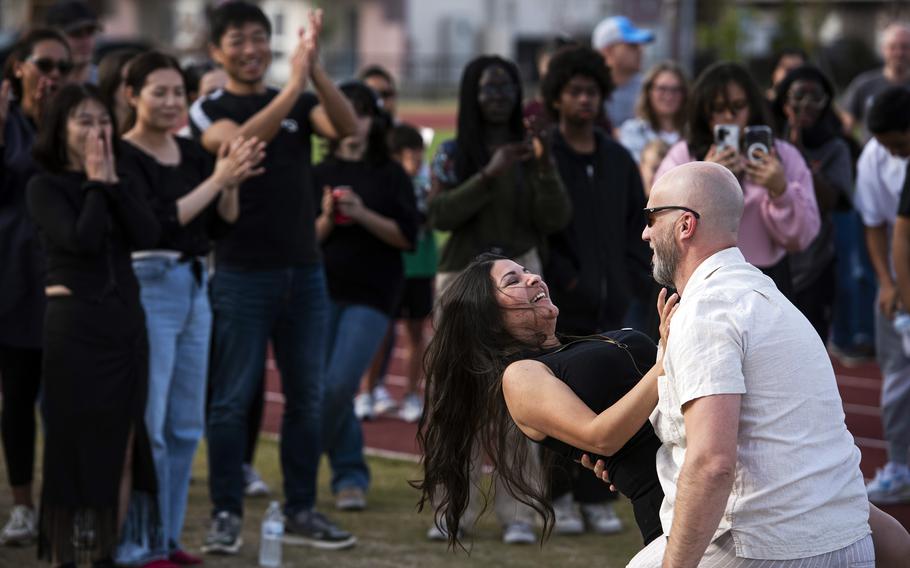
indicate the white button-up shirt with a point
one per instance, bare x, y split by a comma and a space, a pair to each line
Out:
798, 490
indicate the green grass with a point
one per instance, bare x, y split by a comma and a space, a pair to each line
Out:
391, 533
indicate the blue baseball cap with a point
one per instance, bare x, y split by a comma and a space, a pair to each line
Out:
618, 29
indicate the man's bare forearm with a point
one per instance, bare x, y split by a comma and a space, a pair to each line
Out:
702, 492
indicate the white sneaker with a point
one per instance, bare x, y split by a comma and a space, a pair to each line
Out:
601, 518
253, 485
434, 533
890, 485
411, 408
383, 403
363, 406
20, 529
568, 520
518, 533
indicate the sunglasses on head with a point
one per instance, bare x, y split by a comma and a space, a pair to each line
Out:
47, 65
651, 212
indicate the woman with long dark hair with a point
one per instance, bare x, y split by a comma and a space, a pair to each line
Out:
369, 215
36, 68
802, 108
496, 189
97, 459
497, 370
194, 201
781, 215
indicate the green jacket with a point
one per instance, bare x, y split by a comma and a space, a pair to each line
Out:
508, 215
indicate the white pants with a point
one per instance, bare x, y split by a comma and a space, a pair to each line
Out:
722, 554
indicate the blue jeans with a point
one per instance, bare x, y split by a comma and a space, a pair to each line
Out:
854, 304
179, 322
355, 333
290, 307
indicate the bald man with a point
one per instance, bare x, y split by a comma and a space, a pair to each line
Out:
756, 464
895, 51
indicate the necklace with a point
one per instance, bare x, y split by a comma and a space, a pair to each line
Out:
603, 339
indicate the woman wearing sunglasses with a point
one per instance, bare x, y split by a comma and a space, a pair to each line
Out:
802, 109
781, 215
37, 66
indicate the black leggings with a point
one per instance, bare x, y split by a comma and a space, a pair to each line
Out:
20, 376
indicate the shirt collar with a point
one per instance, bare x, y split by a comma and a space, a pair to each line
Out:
710, 265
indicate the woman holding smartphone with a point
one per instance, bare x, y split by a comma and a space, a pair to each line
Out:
369, 215
781, 214
95, 368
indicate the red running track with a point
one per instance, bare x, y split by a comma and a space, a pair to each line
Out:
860, 388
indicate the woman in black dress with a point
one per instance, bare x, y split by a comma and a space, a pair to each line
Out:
97, 456
496, 363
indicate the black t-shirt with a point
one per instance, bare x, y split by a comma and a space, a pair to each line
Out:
600, 370
276, 227
164, 184
88, 229
903, 208
361, 268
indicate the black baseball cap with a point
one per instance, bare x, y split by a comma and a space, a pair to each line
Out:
71, 15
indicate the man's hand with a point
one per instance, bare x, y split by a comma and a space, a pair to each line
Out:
312, 35
887, 299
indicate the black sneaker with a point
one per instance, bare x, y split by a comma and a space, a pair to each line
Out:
309, 528
224, 534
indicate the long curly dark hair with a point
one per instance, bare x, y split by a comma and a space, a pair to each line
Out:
471, 153
465, 408
712, 83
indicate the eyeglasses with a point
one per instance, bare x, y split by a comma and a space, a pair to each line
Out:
667, 90
733, 107
387, 94
46, 65
651, 212
809, 97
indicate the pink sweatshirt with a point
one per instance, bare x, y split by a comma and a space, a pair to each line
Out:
770, 227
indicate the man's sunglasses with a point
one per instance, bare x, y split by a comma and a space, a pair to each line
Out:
651, 212
46, 65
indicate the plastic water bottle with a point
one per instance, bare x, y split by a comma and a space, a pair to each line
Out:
272, 534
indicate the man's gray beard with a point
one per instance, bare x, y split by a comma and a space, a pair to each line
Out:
666, 259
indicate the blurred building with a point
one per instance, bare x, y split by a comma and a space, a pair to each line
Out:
426, 43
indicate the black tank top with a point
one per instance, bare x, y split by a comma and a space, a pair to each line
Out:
600, 370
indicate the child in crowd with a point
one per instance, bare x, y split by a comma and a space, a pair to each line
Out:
651, 156
407, 148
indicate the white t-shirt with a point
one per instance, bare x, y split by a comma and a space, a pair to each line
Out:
879, 182
798, 490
